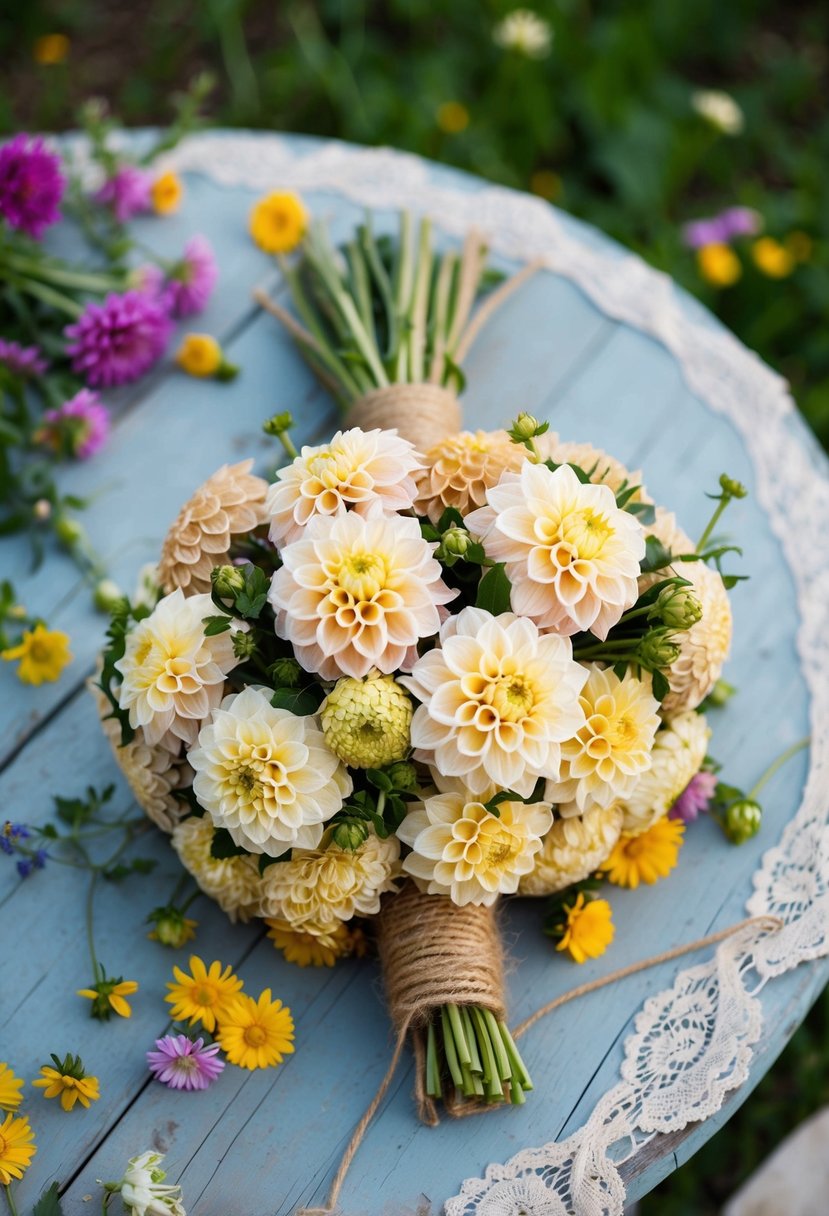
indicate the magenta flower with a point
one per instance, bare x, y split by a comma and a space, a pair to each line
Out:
31, 185
119, 340
78, 428
127, 192
22, 360
183, 1063
695, 799
192, 280
722, 228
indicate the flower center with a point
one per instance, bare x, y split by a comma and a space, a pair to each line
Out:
40, 651
586, 531
362, 575
187, 1064
255, 1036
205, 997
500, 848
512, 697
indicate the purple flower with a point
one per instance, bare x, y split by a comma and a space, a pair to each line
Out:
695, 799
22, 360
31, 185
119, 340
722, 228
77, 428
192, 280
741, 221
127, 192
182, 1063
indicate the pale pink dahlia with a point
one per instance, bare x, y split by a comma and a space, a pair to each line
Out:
358, 592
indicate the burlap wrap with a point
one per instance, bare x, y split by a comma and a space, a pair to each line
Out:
422, 413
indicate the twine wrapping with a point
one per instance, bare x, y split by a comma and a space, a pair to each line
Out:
422, 413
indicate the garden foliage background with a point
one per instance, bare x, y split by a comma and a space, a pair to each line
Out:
602, 122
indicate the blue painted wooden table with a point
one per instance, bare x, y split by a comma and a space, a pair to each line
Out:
267, 1142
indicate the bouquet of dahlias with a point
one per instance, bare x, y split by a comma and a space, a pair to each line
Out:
400, 681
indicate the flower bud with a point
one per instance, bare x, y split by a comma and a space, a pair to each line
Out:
657, 650
228, 581
403, 776
286, 673
171, 927
453, 544
278, 424
678, 607
735, 489
244, 644
742, 820
350, 834
107, 595
526, 427
42, 510
68, 531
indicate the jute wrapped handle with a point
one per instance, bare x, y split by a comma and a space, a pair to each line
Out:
424, 414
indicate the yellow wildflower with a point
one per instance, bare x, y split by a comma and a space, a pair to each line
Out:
10, 1087
256, 1034
16, 1148
50, 49
199, 355
647, 857
589, 929
43, 654
278, 222
166, 193
171, 927
108, 997
719, 264
312, 949
771, 258
205, 995
453, 117
68, 1081
545, 184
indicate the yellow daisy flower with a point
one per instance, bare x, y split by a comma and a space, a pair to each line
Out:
311, 949
771, 258
108, 997
279, 221
205, 995
452, 117
17, 1148
166, 193
589, 929
68, 1081
43, 654
10, 1087
50, 49
719, 264
647, 857
199, 355
257, 1034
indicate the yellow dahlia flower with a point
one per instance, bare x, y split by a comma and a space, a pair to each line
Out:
316, 890
278, 221
605, 757
233, 882
462, 850
647, 857
704, 647
266, 775
572, 850
677, 756
498, 700
602, 468
367, 723
588, 929
355, 469
571, 554
256, 1034
173, 675
356, 592
461, 468
166, 193
310, 949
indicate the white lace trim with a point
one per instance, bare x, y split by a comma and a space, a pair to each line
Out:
692, 1044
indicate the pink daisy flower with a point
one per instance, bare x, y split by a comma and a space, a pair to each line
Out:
77, 428
183, 1063
695, 799
192, 280
117, 341
127, 192
31, 185
22, 360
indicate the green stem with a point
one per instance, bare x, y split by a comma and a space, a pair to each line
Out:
712, 523
777, 764
90, 923
10, 1200
61, 276
48, 295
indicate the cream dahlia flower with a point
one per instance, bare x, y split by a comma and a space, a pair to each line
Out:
266, 775
571, 555
677, 756
358, 592
355, 469
316, 891
367, 723
173, 675
498, 700
233, 882
572, 850
602, 468
230, 503
704, 647
604, 760
462, 850
461, 468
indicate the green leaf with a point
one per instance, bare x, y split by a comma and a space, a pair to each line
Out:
49, 1203
657, 556
451, 517
494, 591
661, 687
299, 701
379, 780
214, 625
645, 512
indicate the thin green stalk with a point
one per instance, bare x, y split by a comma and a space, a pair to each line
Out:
402, 294
61, 276
461, 1044
475, 1065
501, 1056
443, 286
449, 1051
48, 295
518, 1066
323, 352
492, 1079
777, 764
10, 1200
433, 1086
362, 288
90, 923
383, 283
322, 258
420, 300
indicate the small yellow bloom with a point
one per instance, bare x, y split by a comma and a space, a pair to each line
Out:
545, 184
313, 949
800, 245
279, 221
719, 264
257, 1034
108, 996
43, 654
171, 927
17, 1148
50, 49
589, 929
166, 193
68, 1081
453, 117
199, 355
771, 258
203, 996
647, 857
10, 1087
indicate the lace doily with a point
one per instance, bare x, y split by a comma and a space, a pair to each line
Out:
692, 1044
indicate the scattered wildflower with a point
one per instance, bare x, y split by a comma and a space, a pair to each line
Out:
588, 930
24, 361
719, 109
366, 723
43, 654
108, 996
78, 428
201, 355
266, 774
17, 1148
772, 259
524, 32
117, 341
278, 222
50, 49
126, 192
719, 265
676, 758
646, 857
204, 995
68, 1080
696, 798
10, 836
143, 1190
312, 949
31, 185
191, 281
461, 468
234, 882
257, 1034
166, 193
27, 865
171, 927
452, 117
722, 228
10, 1088
184, 1063
572, 850
545, 184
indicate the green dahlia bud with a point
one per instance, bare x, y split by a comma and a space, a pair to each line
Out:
733, 487
366, 723
349, 835
742, 820
171, 927
454, 543
403, 776
678, 607
526, 427
68, 531
108, 595
228, 581
287, 673
244, 644
657, 650
278, 424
